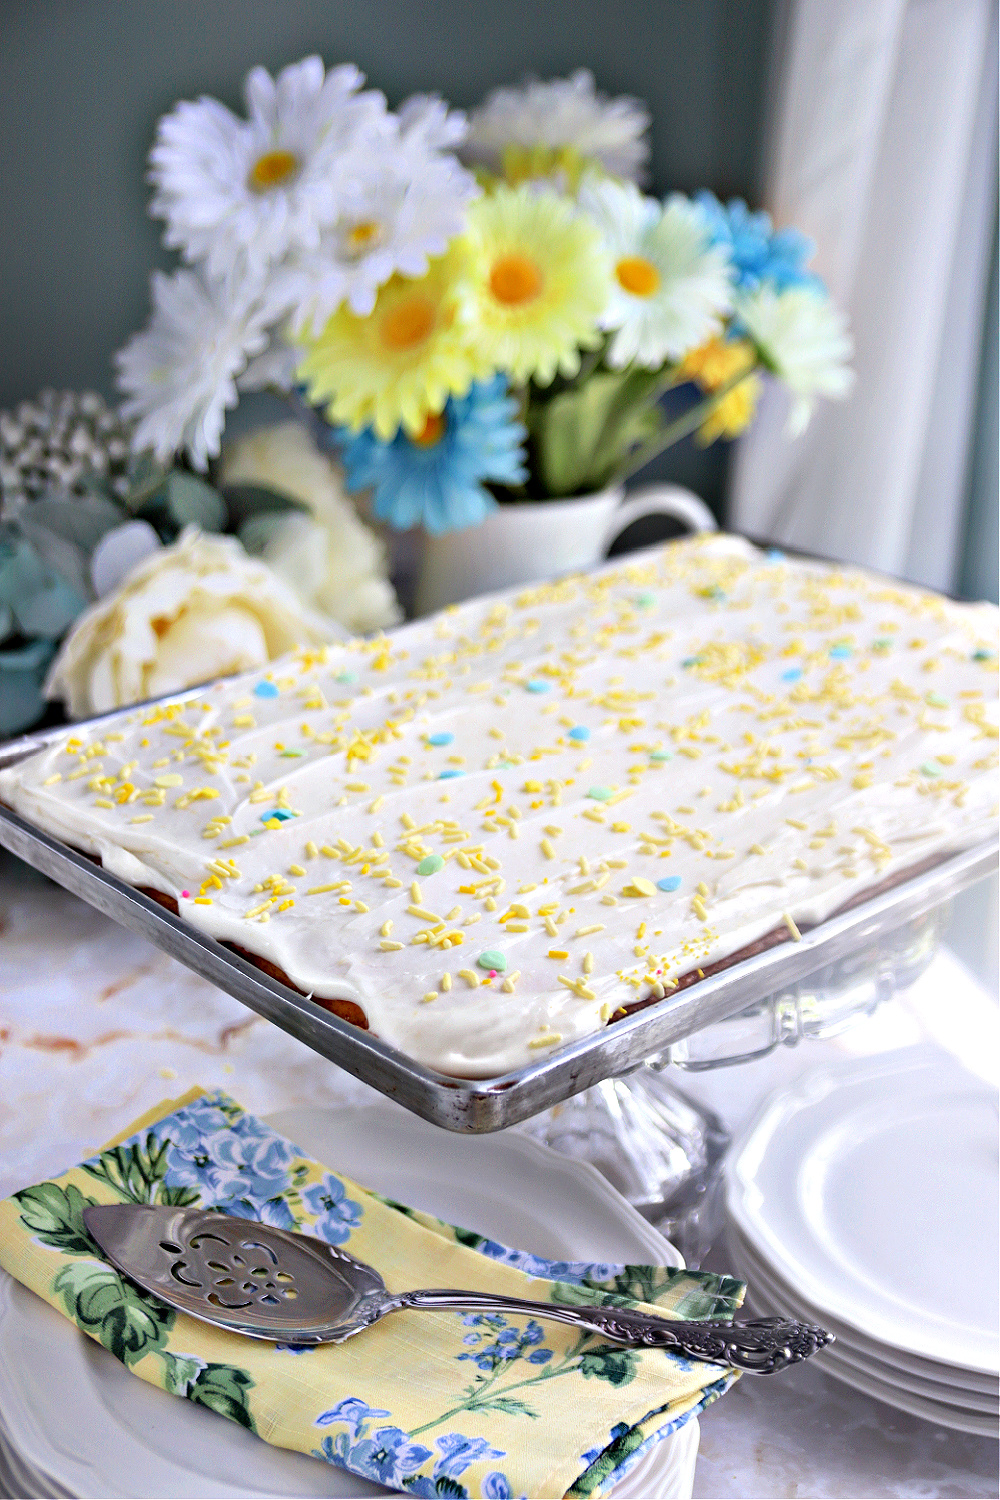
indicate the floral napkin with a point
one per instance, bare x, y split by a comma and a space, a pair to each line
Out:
442, 1404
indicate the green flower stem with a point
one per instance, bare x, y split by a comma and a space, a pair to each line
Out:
484, 1395
688, 423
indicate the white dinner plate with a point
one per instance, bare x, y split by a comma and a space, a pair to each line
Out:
78, 1420
963, 1420
884, 1360
871, 1187
762, 1284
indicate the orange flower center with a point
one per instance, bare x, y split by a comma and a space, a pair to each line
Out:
515, 279
637, 275
362, 235
433, 432
272, 169
408, 323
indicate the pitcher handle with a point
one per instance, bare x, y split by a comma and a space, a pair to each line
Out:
659, 500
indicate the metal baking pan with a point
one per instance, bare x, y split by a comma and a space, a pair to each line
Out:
485, 1104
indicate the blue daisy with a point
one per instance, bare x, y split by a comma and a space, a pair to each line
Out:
436, 481
756, 251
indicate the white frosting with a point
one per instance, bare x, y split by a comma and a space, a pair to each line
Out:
777, 736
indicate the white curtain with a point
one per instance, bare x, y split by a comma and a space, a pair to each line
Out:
882, 147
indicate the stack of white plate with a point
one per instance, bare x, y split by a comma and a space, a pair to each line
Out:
74, 1422
864, 1198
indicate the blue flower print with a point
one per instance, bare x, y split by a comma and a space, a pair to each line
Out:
388, 1456
458, 1452
508, 1343
496, 1486
274, 1212
336, 1214
188, 1128
353, 1412
243, 1162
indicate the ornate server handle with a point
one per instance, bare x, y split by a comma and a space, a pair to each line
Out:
759, 1347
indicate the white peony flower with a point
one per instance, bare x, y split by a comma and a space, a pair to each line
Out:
669, 288
179, 374
407, 205
565, 113
191, 612
232, 189
334, 562
802, 337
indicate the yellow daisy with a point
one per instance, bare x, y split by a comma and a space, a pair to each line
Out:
539, 283
712, 366
399, 365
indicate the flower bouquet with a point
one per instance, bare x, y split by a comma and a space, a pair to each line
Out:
483, 310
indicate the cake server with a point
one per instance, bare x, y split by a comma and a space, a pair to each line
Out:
291, 1288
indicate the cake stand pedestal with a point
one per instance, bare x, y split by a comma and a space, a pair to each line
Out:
661, 1149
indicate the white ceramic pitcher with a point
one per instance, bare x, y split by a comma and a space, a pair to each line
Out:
539, 539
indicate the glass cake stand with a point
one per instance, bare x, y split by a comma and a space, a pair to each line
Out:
661, 1149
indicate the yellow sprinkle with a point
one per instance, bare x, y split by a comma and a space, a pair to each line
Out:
416, 894
360, 906
170, 779
794, 823
490, 904
143, 818
698, 906
207, 901
517, 926
586, 931
588, 963
553, 830
374, 807
550, 927
545, 1041
640, 886
701, 888
388, 945
621, 828
296, 870
103, 802
557, 953
790, 924
285, 905
311, 850
757, 849
317, 890
446, 982
430, 995
386, 927
861, 781
470, 976
51, 780
547, 849
424, 914
607, 1010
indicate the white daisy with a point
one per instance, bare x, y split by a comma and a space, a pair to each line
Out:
408, 205
564, 113
179, 374
669, 288
803, 339
426, 118
258, 187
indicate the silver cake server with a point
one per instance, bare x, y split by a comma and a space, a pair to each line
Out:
291, 1288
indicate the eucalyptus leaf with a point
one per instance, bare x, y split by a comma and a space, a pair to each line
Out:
22, 672
65, 531
145, 476
43, 603
258, 532
6, 621
245, 501
192, 501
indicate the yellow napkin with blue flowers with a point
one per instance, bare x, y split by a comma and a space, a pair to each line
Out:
449, 1404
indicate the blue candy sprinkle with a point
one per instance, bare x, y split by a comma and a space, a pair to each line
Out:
645, 601
793, 674
534, 686
266, 690
690, 661
579, 732
981, 655
346, 677
840, 652
282, 814
447, 775
669, 883
661, 755
774, 555
441, 738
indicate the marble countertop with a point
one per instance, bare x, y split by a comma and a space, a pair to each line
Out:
97, 1026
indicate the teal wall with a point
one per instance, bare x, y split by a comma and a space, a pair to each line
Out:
82, 83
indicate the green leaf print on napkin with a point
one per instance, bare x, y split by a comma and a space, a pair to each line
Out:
55, 1215
137, 1174
122, 1318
